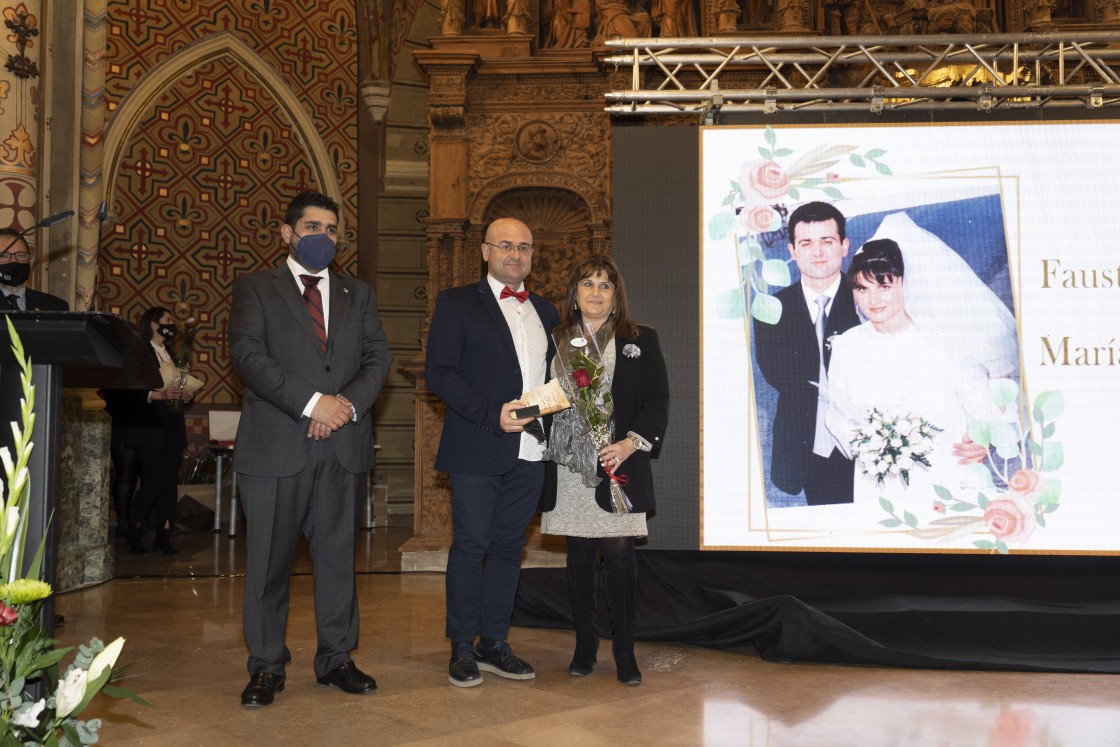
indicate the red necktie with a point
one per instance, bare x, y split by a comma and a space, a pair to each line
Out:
314, 300
521, 296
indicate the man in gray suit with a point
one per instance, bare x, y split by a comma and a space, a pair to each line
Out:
309, 347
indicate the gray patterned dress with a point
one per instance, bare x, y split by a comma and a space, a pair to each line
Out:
576, 513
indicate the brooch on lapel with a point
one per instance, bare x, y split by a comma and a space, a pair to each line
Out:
345, 290
630, 350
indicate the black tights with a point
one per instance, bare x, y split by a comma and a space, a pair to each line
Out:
618, 552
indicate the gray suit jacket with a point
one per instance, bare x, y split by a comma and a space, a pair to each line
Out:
276, 353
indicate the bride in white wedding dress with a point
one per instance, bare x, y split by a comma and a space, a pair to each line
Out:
897, 364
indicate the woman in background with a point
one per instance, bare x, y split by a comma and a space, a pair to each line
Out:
157, 433
577, 502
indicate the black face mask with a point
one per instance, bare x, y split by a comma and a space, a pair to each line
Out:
167, 330
14, 273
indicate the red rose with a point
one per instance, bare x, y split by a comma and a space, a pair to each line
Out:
8, 615
582, 378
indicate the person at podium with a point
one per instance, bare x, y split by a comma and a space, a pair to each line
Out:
15, 269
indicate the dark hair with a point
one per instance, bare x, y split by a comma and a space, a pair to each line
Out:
880, 259
151, 315
305, 200
7, 235
817, 212
570, 315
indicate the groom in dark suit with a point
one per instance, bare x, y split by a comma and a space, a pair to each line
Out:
487, 344
794, 355
309, 347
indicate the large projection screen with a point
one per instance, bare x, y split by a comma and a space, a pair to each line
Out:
1009, 234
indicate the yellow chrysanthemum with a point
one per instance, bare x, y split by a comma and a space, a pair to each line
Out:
25, 591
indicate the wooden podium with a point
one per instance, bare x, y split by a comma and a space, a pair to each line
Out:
72, 349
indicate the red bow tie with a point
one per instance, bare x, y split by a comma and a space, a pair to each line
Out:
521, 296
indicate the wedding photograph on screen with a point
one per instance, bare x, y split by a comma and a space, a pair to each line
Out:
905, 343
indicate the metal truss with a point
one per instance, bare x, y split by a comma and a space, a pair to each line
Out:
986, 72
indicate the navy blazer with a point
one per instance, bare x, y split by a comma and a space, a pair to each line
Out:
640, 390
787, 354
471, 364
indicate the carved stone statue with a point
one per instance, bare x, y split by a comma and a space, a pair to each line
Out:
911, 19
1040, 14
728, 18
1107, 11
451, 17
841, 17
952, 17
569, 23
794, 15
517, 17
487, 14
616, 19
675, 18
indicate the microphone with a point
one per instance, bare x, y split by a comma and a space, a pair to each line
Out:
47, 222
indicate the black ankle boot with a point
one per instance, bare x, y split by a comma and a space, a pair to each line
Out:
583, 588
163, 543
622, 597
135, 539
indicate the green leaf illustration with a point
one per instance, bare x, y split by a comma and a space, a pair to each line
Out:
890, 523
980, 432
1051, 493
962, 506
770, 135
782, 152
1035, 447
731, 305
1003, 392
886, 505
1048, 431
875, 153
943, 492
765, 308
982, 500
729, 200
1054, 459
855, 159
794, 193
1001, 547
1041, 519
882, 168
766, 154
735, 186
776, 272
721, 225
833, 192
984, 544
1005, 438
911, 519
1049, 406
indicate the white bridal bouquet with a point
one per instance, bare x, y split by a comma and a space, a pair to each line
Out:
892, 444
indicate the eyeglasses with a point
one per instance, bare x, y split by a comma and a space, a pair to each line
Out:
15, 257
508, 247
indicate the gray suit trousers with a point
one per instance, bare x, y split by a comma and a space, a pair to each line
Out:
320, 503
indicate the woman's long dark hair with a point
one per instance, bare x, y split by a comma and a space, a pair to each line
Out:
570, 315
151, 315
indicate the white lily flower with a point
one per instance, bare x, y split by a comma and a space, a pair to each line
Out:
70, 692
27, 715
106, 659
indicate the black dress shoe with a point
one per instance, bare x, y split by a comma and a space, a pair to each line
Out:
496, 656
350, 679
261, 690
462, 671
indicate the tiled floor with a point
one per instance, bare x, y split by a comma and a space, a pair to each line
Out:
182, 621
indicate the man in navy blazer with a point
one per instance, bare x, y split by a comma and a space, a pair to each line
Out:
309, 347
803, 454
488, 343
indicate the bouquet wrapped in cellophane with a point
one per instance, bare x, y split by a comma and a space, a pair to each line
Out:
578, 434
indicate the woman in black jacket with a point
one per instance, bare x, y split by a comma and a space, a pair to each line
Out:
157, 432
578, 502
